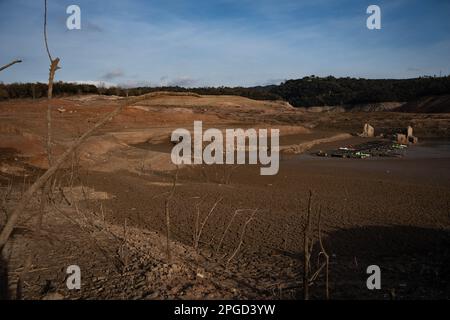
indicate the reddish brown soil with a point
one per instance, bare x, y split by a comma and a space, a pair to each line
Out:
390, 212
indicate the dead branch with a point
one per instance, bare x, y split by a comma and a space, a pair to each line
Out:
10, 64
53, 67
123, 250
325, 254
167, 213
219, 246
196, 222
87, 227
205, 220
45, 31
241, 240
306, 250
308, 244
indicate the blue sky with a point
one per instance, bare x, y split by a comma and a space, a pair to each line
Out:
224, 42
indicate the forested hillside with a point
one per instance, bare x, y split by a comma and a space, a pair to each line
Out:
305, 92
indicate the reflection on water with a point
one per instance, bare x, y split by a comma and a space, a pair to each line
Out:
429, 160
436, 149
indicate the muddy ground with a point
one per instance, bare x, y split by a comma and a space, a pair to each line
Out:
393, 213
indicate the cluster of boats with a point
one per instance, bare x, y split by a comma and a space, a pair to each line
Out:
365, 150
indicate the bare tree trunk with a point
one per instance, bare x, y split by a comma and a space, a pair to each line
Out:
241, 239
167, 213
53, 68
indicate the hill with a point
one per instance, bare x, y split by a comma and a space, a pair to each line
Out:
345, 93
431, 104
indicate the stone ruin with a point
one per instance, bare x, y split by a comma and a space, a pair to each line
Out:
409, 137
369, 131
401, 136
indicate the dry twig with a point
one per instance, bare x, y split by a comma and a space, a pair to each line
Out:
167, 213
10, 64
205, 220
219, 246
306, 250
308, 243
241, 240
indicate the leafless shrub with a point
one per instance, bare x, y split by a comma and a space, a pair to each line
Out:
196, 222
308, 244
90, 222
241, 239
167, 214
218, 174
325, 264
236, 212
199, 229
